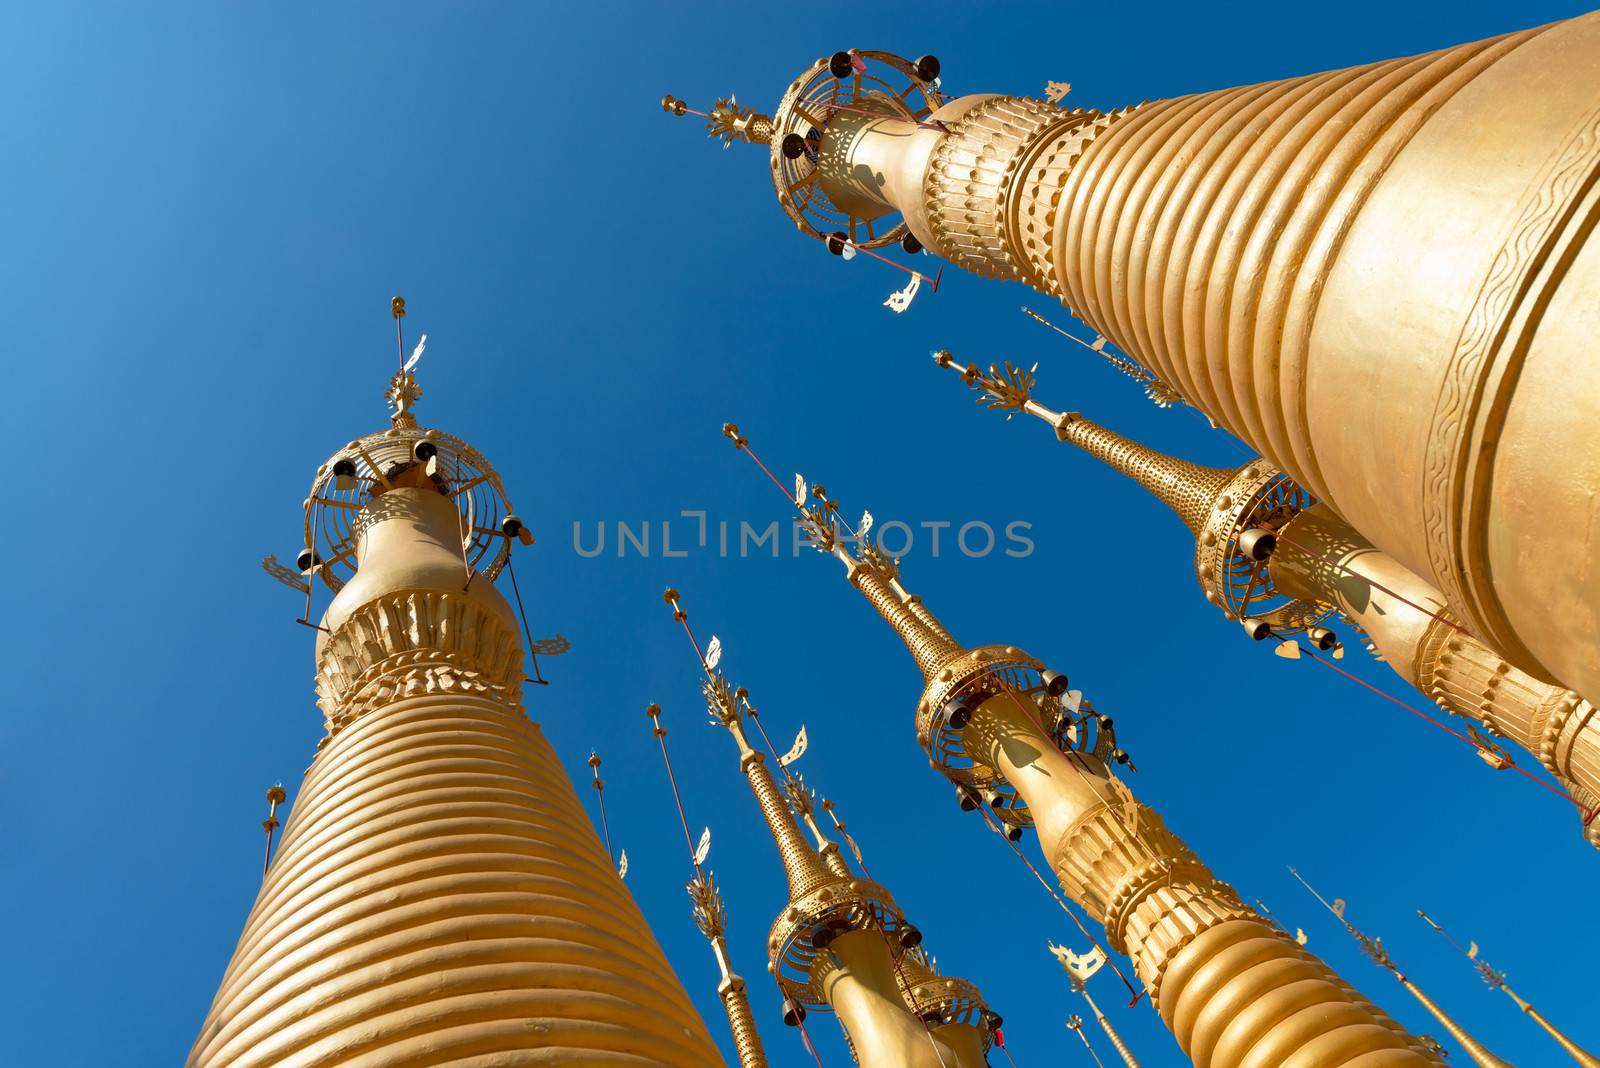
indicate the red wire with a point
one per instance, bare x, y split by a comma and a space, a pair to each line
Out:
1448, 730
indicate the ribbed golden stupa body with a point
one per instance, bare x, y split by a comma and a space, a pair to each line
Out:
1272, 557
1236, 991
842, 942
1383, 278
439, 896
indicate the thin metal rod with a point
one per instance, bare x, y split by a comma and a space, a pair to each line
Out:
511, 570
600, 789
654, 712
1512, 765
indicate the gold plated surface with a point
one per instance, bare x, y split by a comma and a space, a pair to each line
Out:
1234, 988
439, 895
1417, 232
1316, 564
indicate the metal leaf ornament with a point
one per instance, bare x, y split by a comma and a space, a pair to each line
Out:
703, 849
796, 751
552, 646
1006, 388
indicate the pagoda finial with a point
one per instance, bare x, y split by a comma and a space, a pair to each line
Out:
403, 390
1374, 948
1188, 489
872, 571
1496, 980
727, 119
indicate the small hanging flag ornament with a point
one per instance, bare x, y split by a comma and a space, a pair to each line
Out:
714, 653
799, 490
796, 751
901, 299
1300, 936
1338, 651
1338, 907
622, 866
1472, 951
1055, 92
851, 842
1080, 966
1074, 700
1288, 650
866, 524
416, 354
1098, 344
704, 848
848, 252
857, 64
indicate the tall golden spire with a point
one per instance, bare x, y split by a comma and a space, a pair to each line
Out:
1374, 949
1270, 556
993, 718
1270, 252
842, 942
438, 894
1497, 981
1188, 489
711, 916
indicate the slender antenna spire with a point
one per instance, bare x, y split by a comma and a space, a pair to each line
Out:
1188, 489
275, 796
711, 916
1075, 1024
605, 824
1374, 948
1497, 981
872, 572
1159, 393
802, 863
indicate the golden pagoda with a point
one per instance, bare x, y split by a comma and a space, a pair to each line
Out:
842, 943
439, 895
1383, 279
1379, 955
1234, 989
1281, 563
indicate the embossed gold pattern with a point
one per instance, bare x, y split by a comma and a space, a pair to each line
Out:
1417, 231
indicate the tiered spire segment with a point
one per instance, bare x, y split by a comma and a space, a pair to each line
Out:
1199, 950
1379, 955
1268, 252
1281, 563
711, 916
829, 904
1496, 980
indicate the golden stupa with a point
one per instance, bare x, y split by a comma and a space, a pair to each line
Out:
1382, 278
1234, 989
439, 895
842, 943
1281, 563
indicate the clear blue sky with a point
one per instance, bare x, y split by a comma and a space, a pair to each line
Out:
206, 208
